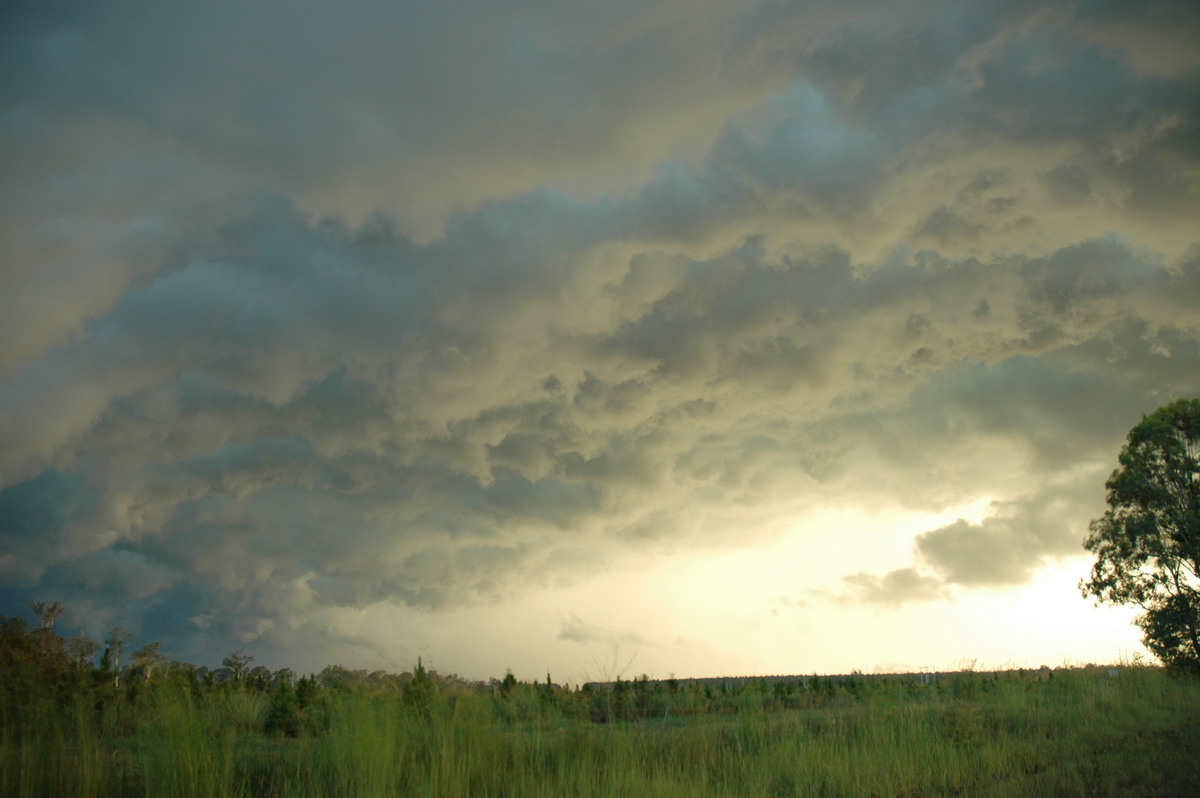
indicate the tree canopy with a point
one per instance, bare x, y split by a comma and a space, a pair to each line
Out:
1147, 544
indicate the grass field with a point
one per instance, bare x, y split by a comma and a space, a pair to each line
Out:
1063, 732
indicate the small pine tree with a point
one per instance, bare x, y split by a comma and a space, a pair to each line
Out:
283, 714
509, 684
418, 693
306, 691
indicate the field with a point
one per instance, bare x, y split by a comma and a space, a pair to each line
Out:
1069, 731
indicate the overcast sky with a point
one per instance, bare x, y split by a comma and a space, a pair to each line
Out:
669, 336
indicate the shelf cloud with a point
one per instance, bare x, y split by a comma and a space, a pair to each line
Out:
305, 313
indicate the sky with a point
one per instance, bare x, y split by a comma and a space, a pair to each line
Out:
704, 337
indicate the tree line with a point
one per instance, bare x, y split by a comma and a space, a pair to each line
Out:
1148, 554
36, 661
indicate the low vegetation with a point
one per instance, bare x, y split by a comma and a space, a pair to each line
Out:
158, 728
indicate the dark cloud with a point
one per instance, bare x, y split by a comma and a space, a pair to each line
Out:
943, 225
1153, 37
708, 269
287, 414
799, 141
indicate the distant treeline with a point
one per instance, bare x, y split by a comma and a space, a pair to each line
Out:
141, 725
36, 659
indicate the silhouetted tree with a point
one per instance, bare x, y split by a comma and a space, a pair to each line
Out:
148, 658
509, 684
82, 650
47, 614
259, 678
115, 644
1148, 543
29, 657
238, 663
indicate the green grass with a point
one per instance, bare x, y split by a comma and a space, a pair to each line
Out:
1072, 732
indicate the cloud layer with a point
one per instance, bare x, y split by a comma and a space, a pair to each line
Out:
637, 280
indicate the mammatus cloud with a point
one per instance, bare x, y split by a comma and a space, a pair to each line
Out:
873, 258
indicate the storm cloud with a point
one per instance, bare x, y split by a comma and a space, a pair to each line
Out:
437, 309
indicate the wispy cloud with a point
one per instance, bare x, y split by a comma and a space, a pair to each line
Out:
894, 587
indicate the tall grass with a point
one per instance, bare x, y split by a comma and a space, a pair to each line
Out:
1067, 732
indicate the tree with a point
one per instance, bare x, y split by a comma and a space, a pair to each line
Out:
47, 614
115, 644
259, 677
1148, 543
508, 685
418, 691
82, 650
238, 663
283, 713
29, 656
147, 658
